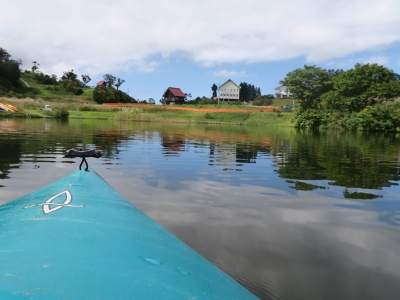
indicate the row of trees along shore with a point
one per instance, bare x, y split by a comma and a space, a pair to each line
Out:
364, 97
70, 83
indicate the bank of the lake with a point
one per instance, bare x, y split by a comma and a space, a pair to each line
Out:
160, 115
230, 114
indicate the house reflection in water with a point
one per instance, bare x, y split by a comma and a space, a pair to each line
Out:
231, 155
221, 153
172, 144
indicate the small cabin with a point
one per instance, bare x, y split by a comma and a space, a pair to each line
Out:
173, 96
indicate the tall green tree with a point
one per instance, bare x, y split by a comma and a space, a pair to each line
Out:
119, 83
9, 71
366, 84
85, 79
70, 82
109, 80
69, 76
248, 92
214, 89
4, 55
308, 84
35, 66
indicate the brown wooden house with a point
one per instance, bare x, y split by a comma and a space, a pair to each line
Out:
173, 96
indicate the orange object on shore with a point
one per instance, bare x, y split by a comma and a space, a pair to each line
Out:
8, 107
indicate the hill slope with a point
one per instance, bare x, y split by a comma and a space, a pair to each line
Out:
54, 91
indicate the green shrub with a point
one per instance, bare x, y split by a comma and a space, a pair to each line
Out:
380, 117
351, 121
208, 116
311, 118
61, 113
103, 94
78, 92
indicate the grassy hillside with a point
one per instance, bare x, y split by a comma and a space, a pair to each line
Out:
51, 92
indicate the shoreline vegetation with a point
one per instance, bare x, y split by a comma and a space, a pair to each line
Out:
365, 97
224, 113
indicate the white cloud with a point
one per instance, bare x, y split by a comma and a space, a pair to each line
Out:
380, 60
225, 73
349, 63
104, 36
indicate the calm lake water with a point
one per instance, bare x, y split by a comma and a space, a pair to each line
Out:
289, 214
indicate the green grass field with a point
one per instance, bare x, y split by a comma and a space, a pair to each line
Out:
155, 114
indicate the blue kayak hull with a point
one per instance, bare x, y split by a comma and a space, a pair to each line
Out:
77, 238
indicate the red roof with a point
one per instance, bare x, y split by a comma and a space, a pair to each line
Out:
177, 92
101, 82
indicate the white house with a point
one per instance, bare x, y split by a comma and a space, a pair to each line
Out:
281, 92
229, 91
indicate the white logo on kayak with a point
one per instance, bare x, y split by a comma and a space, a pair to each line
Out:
49, 206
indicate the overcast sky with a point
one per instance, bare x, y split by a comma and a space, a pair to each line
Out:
191, 44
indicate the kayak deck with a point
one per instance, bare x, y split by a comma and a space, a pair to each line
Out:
77, 238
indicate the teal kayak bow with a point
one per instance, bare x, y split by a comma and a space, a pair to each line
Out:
77, 238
